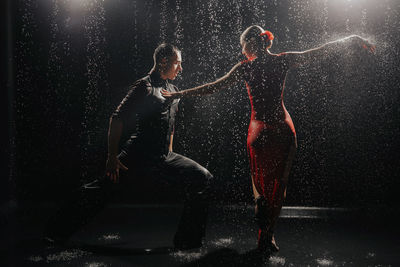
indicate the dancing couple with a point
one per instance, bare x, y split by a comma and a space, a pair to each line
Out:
153, 102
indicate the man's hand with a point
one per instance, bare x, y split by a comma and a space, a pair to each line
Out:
172, 95
112, 168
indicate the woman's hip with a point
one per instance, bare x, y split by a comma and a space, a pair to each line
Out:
262, 134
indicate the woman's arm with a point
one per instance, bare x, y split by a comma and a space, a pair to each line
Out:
229, 79
301, 57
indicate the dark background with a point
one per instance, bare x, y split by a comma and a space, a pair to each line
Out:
67, 64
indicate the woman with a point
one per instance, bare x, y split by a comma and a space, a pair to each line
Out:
271, 140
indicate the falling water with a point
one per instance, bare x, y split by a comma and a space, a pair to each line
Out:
164, 20
60, 74
214, 48
24, 87
76, 66
364, 20
97, 85
325, 15
148, 14
178, 20
70, 66
347, 11
239, 129
133, 47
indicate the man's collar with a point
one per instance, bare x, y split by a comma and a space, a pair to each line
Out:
156, 79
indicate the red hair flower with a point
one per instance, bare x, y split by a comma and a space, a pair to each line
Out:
269, 34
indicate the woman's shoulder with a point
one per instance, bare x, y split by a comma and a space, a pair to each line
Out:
246, 63
275, 59
284, 56
245, 66
274, 56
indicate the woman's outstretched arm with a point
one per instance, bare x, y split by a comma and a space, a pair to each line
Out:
301, 57
229, 79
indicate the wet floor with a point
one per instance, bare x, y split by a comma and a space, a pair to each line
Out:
141, 235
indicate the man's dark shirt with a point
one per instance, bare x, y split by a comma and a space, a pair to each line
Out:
155, 115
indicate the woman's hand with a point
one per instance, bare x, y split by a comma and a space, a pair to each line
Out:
112, 168
172, 95
367, 45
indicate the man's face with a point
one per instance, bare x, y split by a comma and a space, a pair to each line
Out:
173, 67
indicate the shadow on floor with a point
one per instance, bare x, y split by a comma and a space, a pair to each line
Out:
121, 251
230, 257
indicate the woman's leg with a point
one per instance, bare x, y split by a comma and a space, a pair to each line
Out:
270, 170
280, 195
263, 208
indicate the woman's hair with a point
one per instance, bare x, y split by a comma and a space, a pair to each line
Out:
164, 50
261, 38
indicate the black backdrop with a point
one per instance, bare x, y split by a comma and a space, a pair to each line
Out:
72, 61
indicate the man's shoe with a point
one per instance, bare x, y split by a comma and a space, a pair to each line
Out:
185, 243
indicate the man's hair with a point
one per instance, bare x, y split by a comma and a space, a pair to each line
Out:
164, 50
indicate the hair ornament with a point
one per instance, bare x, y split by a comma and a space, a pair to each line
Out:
268, 34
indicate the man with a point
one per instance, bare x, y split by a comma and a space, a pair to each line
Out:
148, 153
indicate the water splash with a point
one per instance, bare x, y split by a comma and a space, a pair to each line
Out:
35, 258
324, 262
223, 242
371, 255
187, 256
109, 237
66, 255
277, 261
95, 264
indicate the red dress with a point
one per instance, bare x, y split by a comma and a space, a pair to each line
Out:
271, 140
